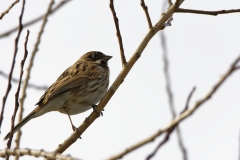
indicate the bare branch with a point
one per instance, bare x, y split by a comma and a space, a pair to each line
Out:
177, 3
7, 10
188, 99
161, 143
167, 76
17, 140
237, 67
12, 67
19, 85
182, 147
182, 116
118, 33
35, 153
212, 13
15, 80
166, 18
18, 88
170, 131
170, 2
145, 8
7, 33
137, 145
170, 96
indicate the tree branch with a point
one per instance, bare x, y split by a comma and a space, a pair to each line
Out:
170, 96
212, 13
19, 83
35, 153
118, 33
17, 140
188, 99
161, 143
18, 90
13, 64
9, 8
170, 2
170, 131
145, 8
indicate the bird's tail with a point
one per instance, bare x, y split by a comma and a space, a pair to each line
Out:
24, 121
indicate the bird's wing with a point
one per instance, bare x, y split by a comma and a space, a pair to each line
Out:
77, 75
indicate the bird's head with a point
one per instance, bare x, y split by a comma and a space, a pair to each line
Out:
95, 57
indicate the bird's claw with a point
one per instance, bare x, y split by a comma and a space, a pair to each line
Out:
75, 129
95, 110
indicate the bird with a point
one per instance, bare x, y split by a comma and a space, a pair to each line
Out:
78, 89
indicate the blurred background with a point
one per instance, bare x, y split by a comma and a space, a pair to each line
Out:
200, 49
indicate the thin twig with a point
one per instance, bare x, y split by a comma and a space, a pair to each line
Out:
118, 33
18, 90
161, 143
7, 33
168, 23
145, 8
19, 84
171, 130
170, 94
34, 153
212, 13
166, 75
16, 80
17, 140
188, 99
13, 64
182, 116
7, 10
170, 3
177, 3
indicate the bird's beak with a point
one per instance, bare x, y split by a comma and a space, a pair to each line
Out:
106, 58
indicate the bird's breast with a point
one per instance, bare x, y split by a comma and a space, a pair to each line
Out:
80, 99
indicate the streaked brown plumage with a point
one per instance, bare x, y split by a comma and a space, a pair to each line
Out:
76, 90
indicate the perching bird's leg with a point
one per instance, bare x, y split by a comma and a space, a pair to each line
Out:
73, 127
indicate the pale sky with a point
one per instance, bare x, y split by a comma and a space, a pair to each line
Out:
200, 49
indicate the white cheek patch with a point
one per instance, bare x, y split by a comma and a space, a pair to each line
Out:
98, 61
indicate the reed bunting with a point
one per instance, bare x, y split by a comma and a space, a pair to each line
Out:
76, 90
